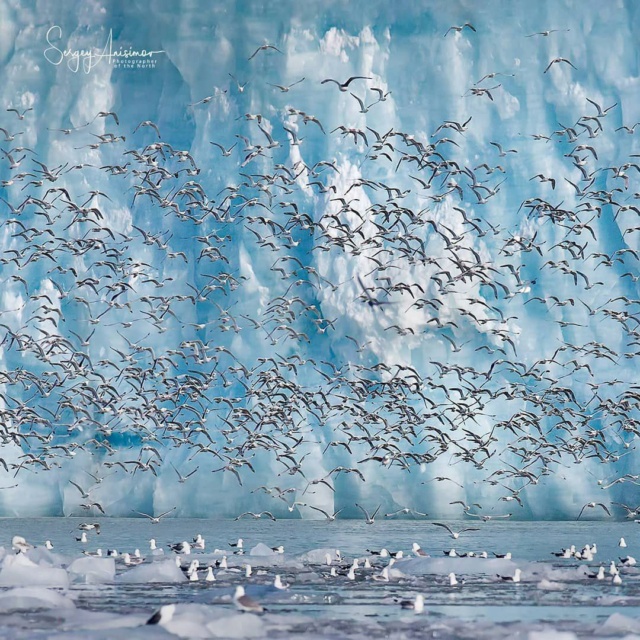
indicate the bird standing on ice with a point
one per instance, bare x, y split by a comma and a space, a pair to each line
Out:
20, 544
162, 615
244, 603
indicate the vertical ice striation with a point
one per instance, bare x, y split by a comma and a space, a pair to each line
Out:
414, 289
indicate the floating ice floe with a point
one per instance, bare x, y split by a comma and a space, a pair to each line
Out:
163, 571
33, 599
92, 570
445, 565
19, 571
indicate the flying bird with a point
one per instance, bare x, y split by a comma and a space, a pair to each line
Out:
264, 47
592, 505
20, 114
369, 519
90, 527
344, 86
148, 123
182, 479
154, 519
85, 494
466, 25
328, 516
454, 534
106, 114
557, 60
225, 152
287, 87
256, 515
371, 301
546, 33
602, 112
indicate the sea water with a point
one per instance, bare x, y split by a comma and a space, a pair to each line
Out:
555, 594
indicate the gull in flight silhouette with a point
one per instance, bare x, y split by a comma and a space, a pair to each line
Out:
328, 516
592, 505
454, 534
264, 47
371, 301
369, 519
344, 86
556, 60
468, 25
257, 515
154, 519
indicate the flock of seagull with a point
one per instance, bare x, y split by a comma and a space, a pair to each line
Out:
142, 344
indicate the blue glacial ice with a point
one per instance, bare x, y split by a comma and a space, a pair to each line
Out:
428, 302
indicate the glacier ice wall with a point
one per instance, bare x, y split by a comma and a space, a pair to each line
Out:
418, 290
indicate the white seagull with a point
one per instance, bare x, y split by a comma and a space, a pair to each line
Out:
244, 603
592, 505
20, 544
328, 516
369, 519
454, 534
154, 519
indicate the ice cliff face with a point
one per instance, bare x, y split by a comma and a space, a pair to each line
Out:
428, 273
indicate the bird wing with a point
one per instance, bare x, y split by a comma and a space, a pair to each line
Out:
352, 78
79, 488
360, 102
366, 291
320, 510
366, 515
444, 526
98, 506
146, 515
